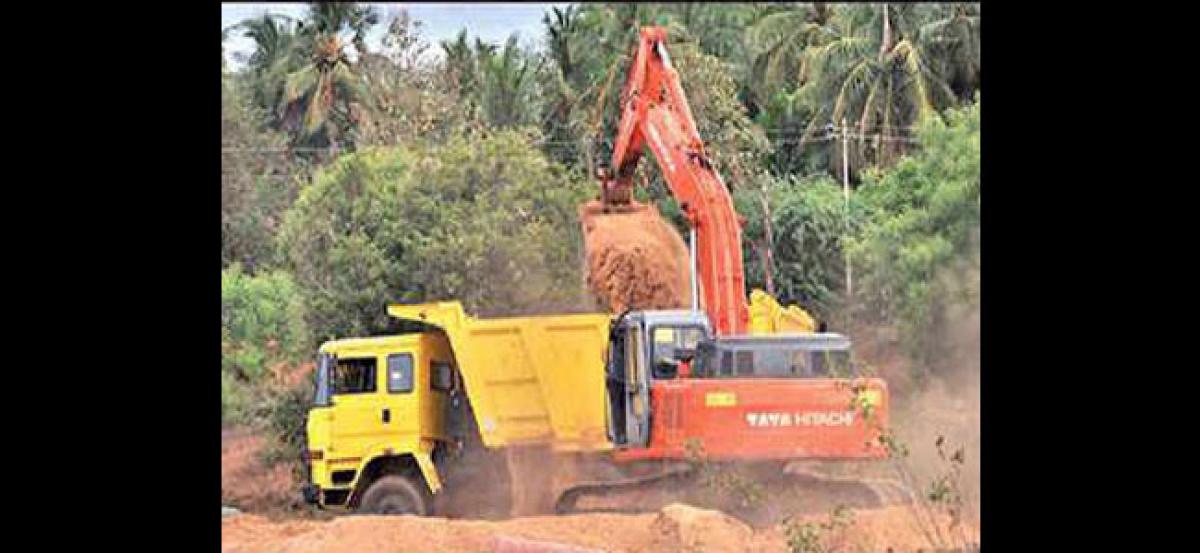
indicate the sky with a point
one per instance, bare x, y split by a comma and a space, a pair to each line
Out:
491, 22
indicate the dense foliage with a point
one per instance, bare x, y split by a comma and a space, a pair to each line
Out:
354, 175
921, 234
486, 220
262, 327
809, 221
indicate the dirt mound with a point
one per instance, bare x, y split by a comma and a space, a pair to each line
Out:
246, 481
675, 528
635, 259
365, 534
689, 528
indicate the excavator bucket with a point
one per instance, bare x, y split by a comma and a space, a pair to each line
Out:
635, 258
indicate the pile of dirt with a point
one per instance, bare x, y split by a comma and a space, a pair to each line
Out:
686, 528
247, 482
674, 528
635, 259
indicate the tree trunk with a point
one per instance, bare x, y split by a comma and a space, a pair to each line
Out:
886, 45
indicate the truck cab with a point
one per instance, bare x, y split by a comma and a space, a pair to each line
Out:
382, 405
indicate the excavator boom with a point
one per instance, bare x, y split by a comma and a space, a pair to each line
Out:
656, 114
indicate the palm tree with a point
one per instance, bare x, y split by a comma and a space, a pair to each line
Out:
460, 61
327, 89
954, 39
274, 57
506, 76
562, 81
560, 34
872, 68
335, 17
778, 46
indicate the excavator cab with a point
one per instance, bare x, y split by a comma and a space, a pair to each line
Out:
779, 396
646, 347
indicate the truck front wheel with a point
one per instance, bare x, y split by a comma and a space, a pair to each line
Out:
394, 495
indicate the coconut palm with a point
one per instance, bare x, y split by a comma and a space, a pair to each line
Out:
953, 38
324, 93
331, 18
561, 32
778, 47
872, 68
273, 58
507, 84
460, 61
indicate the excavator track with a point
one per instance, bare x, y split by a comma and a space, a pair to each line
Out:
568, 499
780, 494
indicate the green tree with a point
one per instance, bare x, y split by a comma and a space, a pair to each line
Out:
809, 225
922, 230
499, 83
326, 89
508, 88
876, 70
262, 325
486, 220
257, 179
564, 86
273, 58
778, 47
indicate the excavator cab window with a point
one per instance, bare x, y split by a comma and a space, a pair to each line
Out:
782, 361
671, 345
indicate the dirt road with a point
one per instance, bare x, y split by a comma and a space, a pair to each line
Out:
675, 528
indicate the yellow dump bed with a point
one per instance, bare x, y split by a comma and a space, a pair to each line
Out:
531, 380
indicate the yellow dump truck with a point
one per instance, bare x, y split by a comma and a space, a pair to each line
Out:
393, 414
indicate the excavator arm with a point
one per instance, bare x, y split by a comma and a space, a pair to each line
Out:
656, 114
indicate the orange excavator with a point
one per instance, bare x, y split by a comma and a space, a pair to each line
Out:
739, 382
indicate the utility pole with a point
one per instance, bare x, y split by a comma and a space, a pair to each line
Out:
846, 196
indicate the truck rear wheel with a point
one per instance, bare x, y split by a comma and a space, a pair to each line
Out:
394, 495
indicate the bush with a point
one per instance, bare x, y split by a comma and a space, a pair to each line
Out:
486, 220
257, 181
281, 415
234, 399
262, 324
921, 233
809, 224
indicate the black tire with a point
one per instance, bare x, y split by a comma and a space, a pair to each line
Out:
394, 495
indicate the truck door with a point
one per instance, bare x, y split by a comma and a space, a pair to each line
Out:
357, 403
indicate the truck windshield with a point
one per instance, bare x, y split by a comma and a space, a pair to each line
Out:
325, 362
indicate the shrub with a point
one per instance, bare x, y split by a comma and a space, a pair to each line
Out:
262, 324
921, 230
485, 219
809, 225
